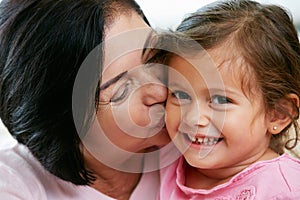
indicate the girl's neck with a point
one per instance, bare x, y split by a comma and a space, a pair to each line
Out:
208, 178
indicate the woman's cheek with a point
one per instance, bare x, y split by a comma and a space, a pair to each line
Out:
138, 112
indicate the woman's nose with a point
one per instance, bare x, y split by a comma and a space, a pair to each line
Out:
154, 93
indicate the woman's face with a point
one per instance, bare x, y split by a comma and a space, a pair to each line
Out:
130, 114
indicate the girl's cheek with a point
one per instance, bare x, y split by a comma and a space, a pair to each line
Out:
173, 120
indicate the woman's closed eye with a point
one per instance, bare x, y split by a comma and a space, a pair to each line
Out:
121, 92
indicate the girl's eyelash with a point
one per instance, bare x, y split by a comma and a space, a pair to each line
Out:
180, 94
216, 100
220, 99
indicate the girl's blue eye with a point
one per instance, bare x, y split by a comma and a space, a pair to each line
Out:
217, 99
181, 95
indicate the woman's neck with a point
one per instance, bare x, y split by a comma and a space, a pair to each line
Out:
109, 181
116, 184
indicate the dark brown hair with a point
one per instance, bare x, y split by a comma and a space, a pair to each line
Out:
43, 44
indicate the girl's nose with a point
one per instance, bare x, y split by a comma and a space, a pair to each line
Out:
196, 116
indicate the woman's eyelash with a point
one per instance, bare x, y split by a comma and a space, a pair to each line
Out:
123, 93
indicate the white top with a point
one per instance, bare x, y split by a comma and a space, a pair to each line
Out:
23, 178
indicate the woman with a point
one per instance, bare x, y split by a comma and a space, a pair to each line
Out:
42, 61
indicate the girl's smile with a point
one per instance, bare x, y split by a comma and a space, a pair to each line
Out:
202, 140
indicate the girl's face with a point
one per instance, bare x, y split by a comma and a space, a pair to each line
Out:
209, 118
130, 118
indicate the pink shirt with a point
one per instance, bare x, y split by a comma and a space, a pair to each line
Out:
23, 178
278, 178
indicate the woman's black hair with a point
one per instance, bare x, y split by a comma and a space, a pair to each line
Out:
42, 46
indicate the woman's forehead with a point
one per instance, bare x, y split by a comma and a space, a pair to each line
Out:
123, 23
123, 45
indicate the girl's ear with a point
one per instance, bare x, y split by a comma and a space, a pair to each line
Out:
285, 111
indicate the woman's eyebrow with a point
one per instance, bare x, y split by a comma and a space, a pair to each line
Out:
113, 80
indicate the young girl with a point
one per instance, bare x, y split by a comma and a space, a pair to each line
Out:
232, 122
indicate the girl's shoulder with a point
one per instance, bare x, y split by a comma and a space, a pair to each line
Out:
283, 170
284, 165
289, 168
269, 179
284, 159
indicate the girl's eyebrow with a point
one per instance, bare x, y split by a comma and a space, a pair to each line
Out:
113, 80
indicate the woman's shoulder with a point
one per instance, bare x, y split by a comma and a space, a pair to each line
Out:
12, 154
16, 156
22, 176
17, 172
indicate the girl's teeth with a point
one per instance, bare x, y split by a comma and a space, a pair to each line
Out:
192, 139
200, 140
203, 141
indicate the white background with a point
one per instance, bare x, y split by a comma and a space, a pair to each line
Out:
168, 13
